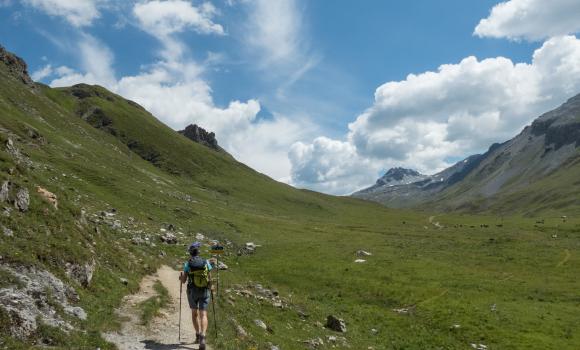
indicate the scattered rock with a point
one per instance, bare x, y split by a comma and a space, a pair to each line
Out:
168, 238
116, 225
273, 347
479, 346
359, 261
374, 331
455, 326
302, 314
124, 281
362, 253
7, 232
333, 339
48, 196
404, 310
137, 240
76, 311
222, 266
22, 200
83, 274
261, 324
336, 324
248, 249
5, 192
240, 331
199, 237
314, 343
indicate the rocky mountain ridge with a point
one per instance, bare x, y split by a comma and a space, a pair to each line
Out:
546, 147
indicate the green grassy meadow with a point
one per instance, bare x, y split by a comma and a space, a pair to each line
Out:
511, 285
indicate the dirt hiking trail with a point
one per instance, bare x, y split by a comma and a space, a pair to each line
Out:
162, 332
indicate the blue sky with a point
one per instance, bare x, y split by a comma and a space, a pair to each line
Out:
317, 94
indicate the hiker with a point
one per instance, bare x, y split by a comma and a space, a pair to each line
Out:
196, 271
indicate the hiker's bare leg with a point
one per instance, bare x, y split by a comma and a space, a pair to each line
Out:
195, 320
202, 321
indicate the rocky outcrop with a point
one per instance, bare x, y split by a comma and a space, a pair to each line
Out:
200, 135
16, 66
37, 295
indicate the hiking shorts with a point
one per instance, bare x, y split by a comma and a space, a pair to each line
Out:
198, 298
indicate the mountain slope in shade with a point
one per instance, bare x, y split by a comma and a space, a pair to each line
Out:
521, 172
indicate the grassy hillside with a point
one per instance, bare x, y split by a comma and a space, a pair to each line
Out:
507, 283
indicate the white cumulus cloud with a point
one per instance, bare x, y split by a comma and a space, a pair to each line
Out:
531, 19
460, 109
330, 166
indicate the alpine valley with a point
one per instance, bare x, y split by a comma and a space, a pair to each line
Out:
99, 201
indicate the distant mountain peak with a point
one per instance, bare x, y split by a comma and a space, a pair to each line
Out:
199, 135
400, 176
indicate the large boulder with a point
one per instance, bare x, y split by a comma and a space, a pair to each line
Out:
336, 324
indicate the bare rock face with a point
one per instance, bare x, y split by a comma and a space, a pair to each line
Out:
33, 298
16, 154
200, 135
16, 66
22, 200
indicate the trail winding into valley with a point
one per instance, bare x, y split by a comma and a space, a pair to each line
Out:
162, 333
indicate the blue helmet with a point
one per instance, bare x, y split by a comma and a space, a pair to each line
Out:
194, 246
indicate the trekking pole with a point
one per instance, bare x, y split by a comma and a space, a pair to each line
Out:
180, 289
218, 275
214, 316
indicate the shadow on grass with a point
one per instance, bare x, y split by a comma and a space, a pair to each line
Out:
153, 345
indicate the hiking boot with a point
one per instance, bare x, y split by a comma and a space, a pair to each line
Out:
197, 337
201, 342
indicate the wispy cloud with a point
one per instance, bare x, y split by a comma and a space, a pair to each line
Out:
79, 13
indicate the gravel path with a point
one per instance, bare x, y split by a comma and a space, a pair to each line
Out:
162, 333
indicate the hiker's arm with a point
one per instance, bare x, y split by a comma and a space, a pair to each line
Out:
183, 277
